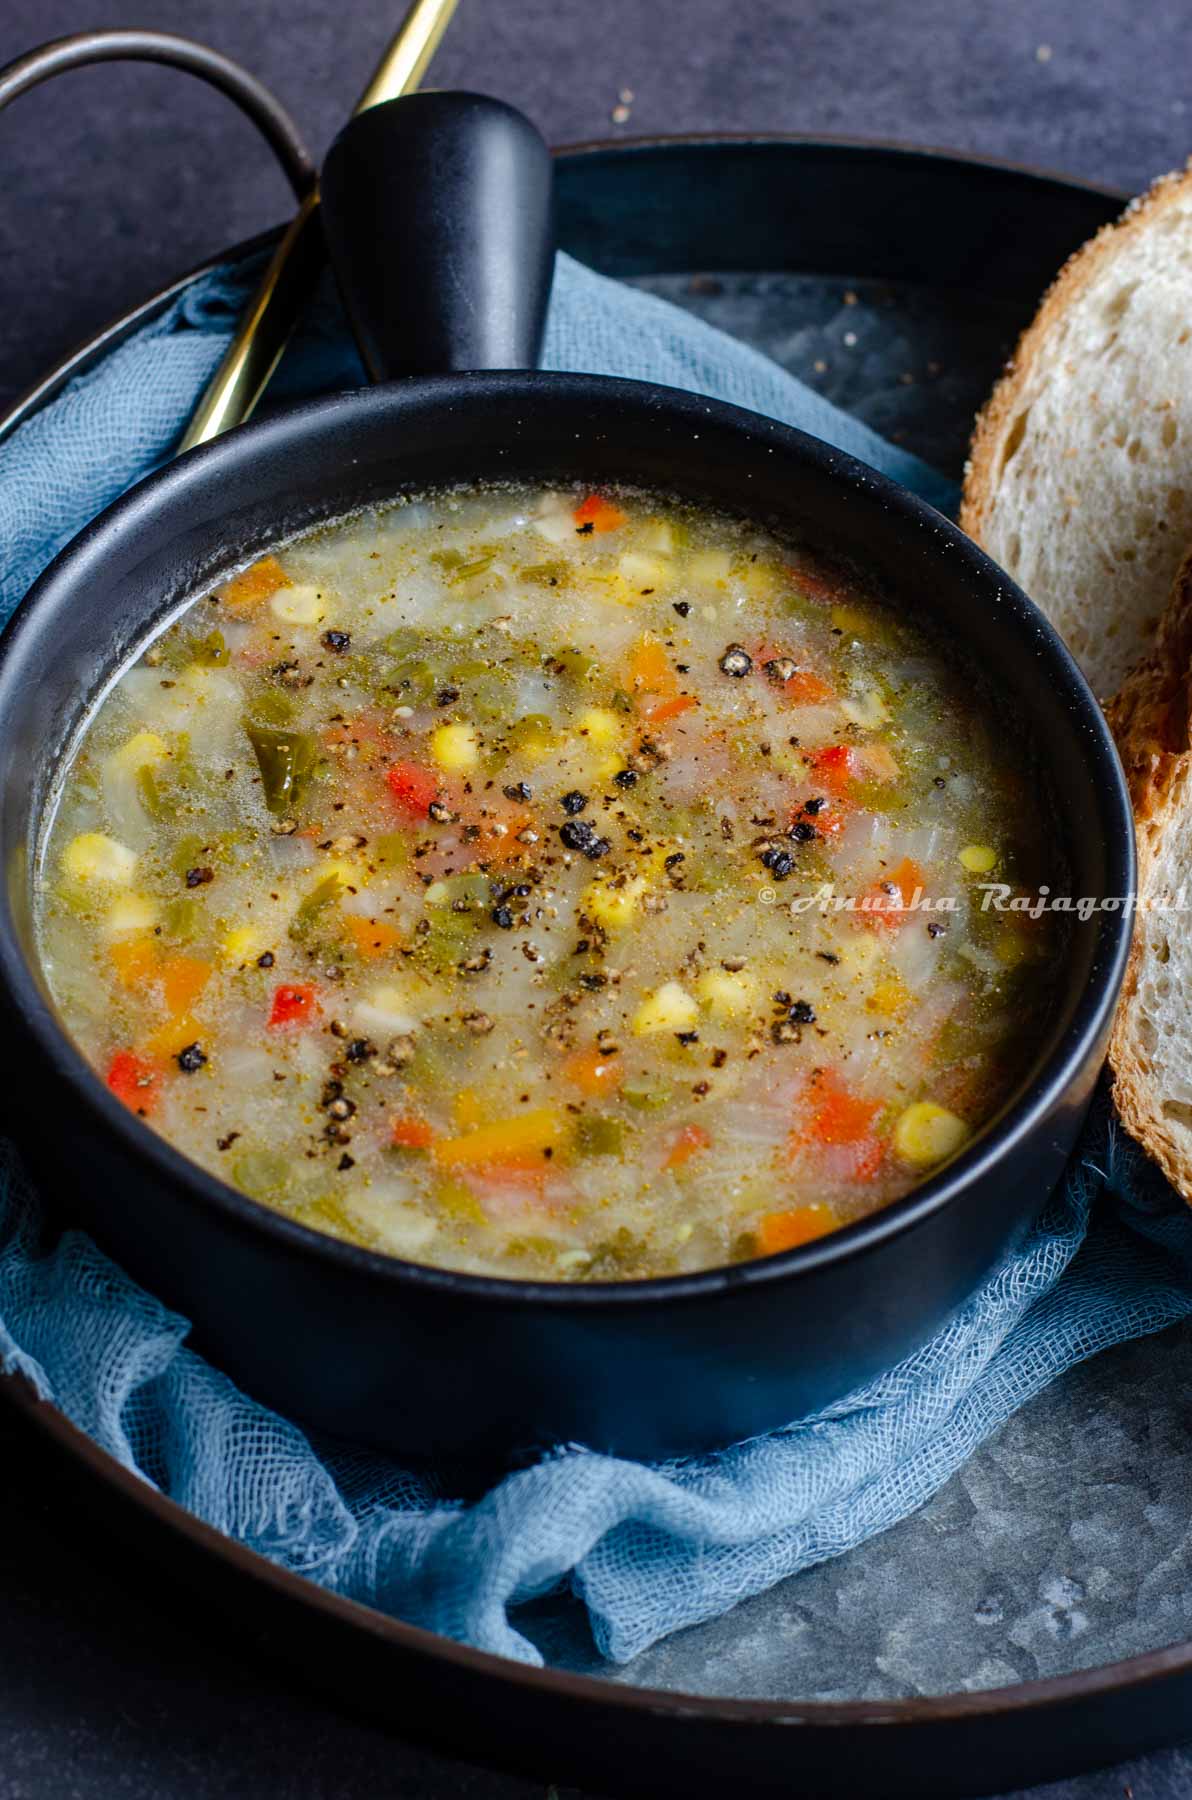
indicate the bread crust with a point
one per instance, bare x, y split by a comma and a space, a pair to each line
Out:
996, 418
1151, 720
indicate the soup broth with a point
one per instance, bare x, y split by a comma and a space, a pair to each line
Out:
552, 884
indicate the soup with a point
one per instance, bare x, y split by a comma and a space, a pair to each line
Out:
552, 885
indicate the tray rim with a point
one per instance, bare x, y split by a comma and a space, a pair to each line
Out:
1022, 1700
45, 387
1019, 1697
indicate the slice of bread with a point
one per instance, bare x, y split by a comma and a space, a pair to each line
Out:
1150, 1050
1080, 476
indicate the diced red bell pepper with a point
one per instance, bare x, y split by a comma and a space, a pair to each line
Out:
833, 769
413, 788
293, 1004
134, 1080
599, 513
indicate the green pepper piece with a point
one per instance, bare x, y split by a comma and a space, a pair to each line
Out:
286, 760
188, 851
459, 568
181, 919
621, 701
274, 706
320, 896
414, 679
392, 849
545, 574
150, 793
265, 1174
647, 1099
598, 1136
211, 650
574, 664
534, 732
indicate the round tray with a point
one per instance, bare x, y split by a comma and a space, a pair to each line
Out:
894, 280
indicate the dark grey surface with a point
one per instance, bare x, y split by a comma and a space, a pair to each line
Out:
107, 1686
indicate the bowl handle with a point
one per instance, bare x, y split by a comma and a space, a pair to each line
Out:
438, 215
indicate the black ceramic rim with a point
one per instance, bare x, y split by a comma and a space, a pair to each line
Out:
1152, 1686
1085, 1024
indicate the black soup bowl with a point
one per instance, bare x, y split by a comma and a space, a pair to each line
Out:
424, 1361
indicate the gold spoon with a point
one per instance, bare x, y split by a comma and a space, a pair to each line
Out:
294, 267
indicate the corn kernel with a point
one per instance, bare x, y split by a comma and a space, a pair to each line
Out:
889, 997
93, 857
455, 747
978, 859
239, 945
669, 1008
614, 907
725, 994
927, 1133
601, 727
298, 606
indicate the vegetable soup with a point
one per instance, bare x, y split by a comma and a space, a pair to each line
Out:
563, 885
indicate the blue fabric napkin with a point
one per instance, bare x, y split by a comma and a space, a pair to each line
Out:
646, 1549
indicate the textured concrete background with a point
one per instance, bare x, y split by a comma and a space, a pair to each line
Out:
117, 178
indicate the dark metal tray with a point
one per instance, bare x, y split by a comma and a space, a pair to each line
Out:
1026, 1623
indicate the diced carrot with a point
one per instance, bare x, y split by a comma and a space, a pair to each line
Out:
833, 769
805, 688
891, 897
650, 669
134, 960
659, 711
600, 513
255, 585
835, 1116
413, 788
134, 1080
293, 1004
182, 979
179, 1030
526, 1140
688, 1140
784, 1230
372, 937
467, 1109
408, 1132
592, 1072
